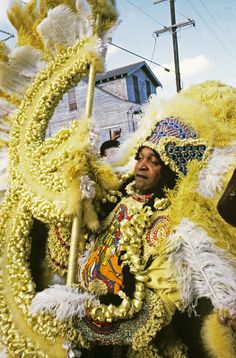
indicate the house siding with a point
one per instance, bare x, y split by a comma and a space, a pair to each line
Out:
109, 111
142, 77
114, 105
116, 86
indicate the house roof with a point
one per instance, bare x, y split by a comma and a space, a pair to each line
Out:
127, 71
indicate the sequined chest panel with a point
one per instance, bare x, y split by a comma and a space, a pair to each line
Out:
103, 263
159, 232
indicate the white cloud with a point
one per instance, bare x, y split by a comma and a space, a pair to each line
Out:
193, 66
111, 50
189, 68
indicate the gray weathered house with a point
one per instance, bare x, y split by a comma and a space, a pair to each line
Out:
118, 97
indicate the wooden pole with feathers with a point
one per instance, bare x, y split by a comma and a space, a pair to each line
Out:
77, 243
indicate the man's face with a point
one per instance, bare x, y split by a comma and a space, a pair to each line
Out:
147, 171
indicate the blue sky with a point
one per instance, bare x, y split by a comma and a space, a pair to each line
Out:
206, 51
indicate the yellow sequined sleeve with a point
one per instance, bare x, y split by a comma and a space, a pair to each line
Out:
161, 281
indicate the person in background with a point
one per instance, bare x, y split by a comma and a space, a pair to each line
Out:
106, 148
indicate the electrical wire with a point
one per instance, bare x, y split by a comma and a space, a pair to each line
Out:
154, 50
144, 58
208, 47
150, 64
176, 10
6, 33
145, 13
214, 20
205, 22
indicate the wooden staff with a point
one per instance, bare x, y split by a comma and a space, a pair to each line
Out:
76, 242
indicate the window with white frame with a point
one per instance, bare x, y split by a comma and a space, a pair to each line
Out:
72, 100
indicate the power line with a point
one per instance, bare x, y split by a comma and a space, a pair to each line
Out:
6, 33
173, 28
205, 22
144, 58
176, 10
210, 50
214, 20
144, 12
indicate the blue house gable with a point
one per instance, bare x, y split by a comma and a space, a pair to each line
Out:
139, 82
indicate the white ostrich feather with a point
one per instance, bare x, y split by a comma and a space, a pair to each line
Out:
84, 18
83, 258
210, 177
3, 352
60, 27
6, 107
122, 169
27, 60
62, 302
201, 268
11, 81
4, 179
4, 136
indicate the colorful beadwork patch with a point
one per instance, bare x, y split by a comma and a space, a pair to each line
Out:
103, 263
171, 127
181, 155
159, 231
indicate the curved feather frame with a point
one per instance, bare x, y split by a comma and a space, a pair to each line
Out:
43, 175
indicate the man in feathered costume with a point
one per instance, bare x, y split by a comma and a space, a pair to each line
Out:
162, 249
164, 246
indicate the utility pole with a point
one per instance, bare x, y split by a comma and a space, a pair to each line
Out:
173, 28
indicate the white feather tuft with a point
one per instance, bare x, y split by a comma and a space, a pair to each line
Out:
6, 107
3, 352
4, 180
60, 27
210, 177
83, 258
11, 81
27, 60
62, 302
84, 18
202, 269
4, 136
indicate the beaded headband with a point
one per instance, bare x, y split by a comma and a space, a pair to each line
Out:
176, 143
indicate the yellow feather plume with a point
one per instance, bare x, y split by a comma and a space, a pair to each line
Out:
218, 339
25, 18
10, 98
45, 5
220, 101
187, 203
4, 51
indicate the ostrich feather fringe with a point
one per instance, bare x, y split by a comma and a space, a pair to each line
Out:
60, 27
3, 353
62, 302
27, 60
11, 81
218, 340
210, 177
201, 268
6, 108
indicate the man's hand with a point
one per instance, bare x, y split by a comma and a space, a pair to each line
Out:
116, 134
